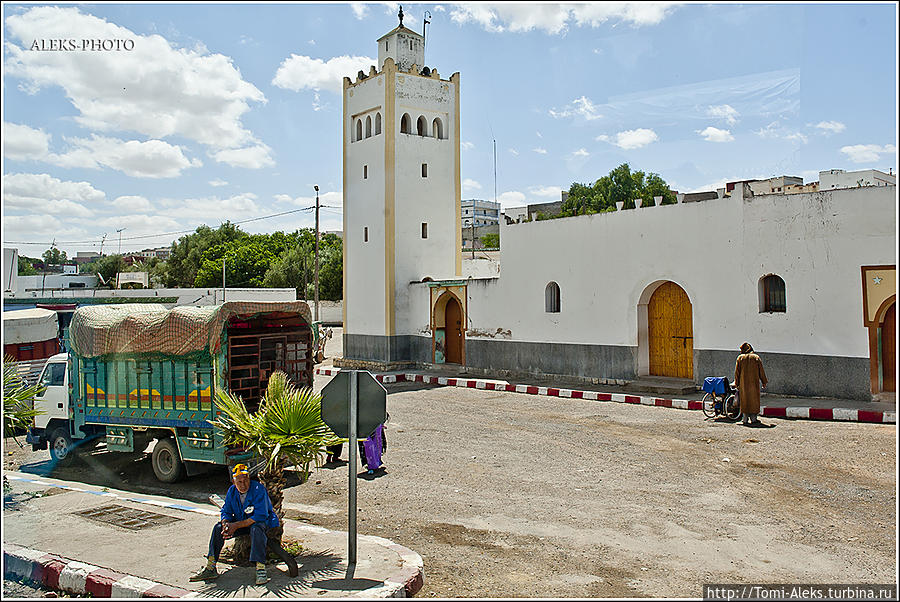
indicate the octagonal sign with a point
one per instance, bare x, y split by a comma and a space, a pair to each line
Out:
371, 409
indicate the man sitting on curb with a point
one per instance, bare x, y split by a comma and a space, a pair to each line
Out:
247, 510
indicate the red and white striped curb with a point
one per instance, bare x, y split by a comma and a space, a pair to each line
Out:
802, 412
58, 573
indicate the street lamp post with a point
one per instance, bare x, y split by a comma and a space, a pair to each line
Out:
120, 239
317, 254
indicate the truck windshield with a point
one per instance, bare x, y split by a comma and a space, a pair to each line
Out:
54, 375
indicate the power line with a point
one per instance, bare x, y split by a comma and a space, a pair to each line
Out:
144, 236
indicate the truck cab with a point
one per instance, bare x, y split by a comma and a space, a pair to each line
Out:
52, 425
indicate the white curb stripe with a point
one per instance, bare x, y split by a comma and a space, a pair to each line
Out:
593, 395
565, 392
74, 576
130, 586
889, 417
796, 412
681, 404
844, 414
618, 397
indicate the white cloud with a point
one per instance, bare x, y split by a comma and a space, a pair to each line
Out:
546, 191
712, 134
511, 198
582, 107
797, 137
150, 159
466, 145
631, 139
360, 10
214, 209
469, 184
556, 18
831, 127
724, 112
21, 142
867, 153
42, 193
132, 204
581, 152
252, 157
154, 89
514, 152
306, 73
540, 151
217, 182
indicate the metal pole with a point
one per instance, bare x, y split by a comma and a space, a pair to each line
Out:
317, 254
351, 527
223, 279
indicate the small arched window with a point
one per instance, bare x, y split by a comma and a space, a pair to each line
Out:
551, 298
377, 123
359, 129
405, 124
421, 126
772, 296
368, 126
437, 128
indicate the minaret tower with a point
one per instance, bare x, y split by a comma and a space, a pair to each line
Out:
402, 219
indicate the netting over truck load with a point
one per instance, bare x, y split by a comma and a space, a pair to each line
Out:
98, 330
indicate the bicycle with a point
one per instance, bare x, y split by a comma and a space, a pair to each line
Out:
728, 405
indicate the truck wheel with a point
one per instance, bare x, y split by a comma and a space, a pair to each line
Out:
61, 448
167, 464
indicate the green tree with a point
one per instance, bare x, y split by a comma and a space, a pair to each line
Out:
106, 268
656, 186
190, 251
490, 241
331, 268
26, 266
54, 256
286, 430
292, 269
620, 185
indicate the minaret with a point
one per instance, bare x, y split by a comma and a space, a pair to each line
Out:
402, 219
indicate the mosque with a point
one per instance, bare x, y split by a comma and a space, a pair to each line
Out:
657, 291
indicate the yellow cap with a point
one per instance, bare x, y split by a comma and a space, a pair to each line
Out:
240, 469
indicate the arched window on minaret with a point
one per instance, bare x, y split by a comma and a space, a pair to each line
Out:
368, 126
406, 124
377, 123
359, 129
437, 128
421, 126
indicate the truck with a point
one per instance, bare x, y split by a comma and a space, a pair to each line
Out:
136, 374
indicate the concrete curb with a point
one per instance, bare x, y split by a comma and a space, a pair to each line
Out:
84, 578
796, 412
67, 575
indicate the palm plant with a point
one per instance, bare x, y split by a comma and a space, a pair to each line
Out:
17, 395
286, 430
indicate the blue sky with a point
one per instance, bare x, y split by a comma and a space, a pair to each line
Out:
210, 112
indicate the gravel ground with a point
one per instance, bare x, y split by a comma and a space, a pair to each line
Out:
510, 495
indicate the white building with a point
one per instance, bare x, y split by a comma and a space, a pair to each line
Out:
401, 190
809, 279
838, 178
482, 213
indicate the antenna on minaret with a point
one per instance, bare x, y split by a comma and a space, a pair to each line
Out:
426, 21
400, 14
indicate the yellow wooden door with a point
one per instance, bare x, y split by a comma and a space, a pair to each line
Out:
671, 332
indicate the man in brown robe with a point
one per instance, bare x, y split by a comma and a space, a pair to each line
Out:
748, 374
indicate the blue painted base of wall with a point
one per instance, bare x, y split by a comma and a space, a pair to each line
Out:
789, 374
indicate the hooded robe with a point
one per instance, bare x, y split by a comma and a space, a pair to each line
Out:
748, 374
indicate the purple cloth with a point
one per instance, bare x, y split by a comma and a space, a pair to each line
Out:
372, 447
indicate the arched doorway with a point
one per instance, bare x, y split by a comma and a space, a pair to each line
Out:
889, 349
453, 344
670, 332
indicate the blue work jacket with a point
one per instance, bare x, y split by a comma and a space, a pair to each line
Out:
256, 506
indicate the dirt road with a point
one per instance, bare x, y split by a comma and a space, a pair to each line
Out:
509, 495
512, 495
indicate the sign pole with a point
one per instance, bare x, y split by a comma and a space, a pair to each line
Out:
351, 530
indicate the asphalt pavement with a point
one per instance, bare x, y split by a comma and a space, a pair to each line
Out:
109, 543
